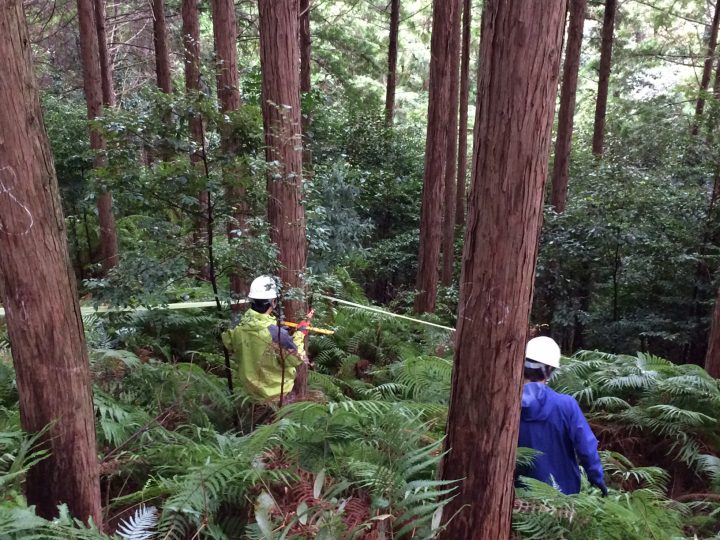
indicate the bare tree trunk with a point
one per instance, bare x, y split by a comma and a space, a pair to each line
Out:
712, 358
162, 53
191, 47
279, 59
445, 13
448, 240
108, 91
519, 66
305, 71
392, 62
228, 88
707, 69
38, 289
464, 98
561, 165
92, 82
608, 30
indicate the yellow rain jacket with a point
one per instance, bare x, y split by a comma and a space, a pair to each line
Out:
255, 344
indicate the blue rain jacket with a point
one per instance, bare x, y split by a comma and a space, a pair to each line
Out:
553, 424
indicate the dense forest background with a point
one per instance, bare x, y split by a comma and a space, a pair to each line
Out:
176, 190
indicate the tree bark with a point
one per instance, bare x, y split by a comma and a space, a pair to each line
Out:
464, 99
392, 62
92, 83
707, 70
279, 60
561, 165
519, 65
608, 30
38, 289
436, 151
162, 52
108, 90
448, 240
305, 83
191, 48
712, 357
228, 89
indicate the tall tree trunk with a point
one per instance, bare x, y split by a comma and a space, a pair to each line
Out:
42, 310
191, 47
520, 61
561, 165
445, 14
392, 62
707, 69
448, 240
712, 357
108, 90
92, 83
608, 30
228, 89
305, 71
464, 98
160, 41
279, 60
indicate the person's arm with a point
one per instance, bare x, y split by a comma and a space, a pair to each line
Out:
586, 447
295, 354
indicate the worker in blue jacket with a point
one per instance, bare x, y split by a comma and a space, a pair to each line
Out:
554, 425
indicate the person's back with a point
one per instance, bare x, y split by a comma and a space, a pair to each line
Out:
553, 424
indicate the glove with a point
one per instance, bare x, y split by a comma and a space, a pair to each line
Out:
603, 489
303, 327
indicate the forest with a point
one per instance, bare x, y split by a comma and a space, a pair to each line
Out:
268, 269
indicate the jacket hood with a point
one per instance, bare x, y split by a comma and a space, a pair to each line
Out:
534, 399
253, 319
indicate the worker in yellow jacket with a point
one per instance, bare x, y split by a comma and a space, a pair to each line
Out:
265, 356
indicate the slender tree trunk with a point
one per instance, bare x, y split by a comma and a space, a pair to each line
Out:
162, 53
39, 293
604, 78
519, 66
464, 98
561, 166
392, 62
707, 69
191, 47
445, 14
279, 59
448, 240
92, 82
228, 89
712, 358
108, 90
305, 71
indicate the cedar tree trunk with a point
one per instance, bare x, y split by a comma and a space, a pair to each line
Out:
191, 47
707, 69
108, 91
280, 61
520, 61
92, 83
160, 41
436, 151
448, 240
305, 84
43, 314
464, 98
608, 29
561, 165
228, 89
392, 62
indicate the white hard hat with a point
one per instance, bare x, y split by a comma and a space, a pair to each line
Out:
263, 288
543, 350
